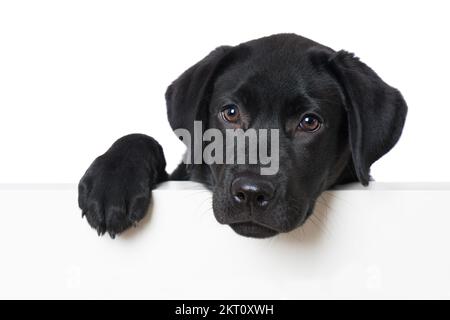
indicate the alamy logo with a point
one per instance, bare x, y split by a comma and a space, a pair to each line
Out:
252, 146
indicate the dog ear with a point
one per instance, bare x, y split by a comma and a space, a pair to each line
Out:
376, 112
187, 98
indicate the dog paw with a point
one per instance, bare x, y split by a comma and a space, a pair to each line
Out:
115, 192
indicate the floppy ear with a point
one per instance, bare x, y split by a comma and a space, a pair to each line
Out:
187, 98
376, 112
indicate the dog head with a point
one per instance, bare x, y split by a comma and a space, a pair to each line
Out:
334, 117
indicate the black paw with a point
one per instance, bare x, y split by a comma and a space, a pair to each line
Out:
115, 191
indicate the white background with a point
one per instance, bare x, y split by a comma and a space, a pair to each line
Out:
76, 75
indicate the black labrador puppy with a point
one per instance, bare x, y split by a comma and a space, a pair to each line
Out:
335, 118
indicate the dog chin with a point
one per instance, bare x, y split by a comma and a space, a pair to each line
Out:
253, 230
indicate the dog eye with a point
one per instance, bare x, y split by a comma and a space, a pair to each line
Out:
310, 123
230, 113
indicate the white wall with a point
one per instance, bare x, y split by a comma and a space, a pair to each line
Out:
76, 75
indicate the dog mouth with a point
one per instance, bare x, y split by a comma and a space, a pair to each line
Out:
253, 230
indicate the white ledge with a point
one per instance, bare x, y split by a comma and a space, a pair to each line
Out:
389, 240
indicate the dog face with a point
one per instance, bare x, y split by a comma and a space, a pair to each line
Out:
334, 117
274, 91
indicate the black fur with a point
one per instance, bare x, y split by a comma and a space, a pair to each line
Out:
274, 80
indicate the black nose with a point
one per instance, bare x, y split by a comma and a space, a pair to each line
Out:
255, 191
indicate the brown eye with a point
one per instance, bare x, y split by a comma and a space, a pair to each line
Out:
310, 123
230, 113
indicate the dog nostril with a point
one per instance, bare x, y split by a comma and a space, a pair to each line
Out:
240, 196
261, 200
